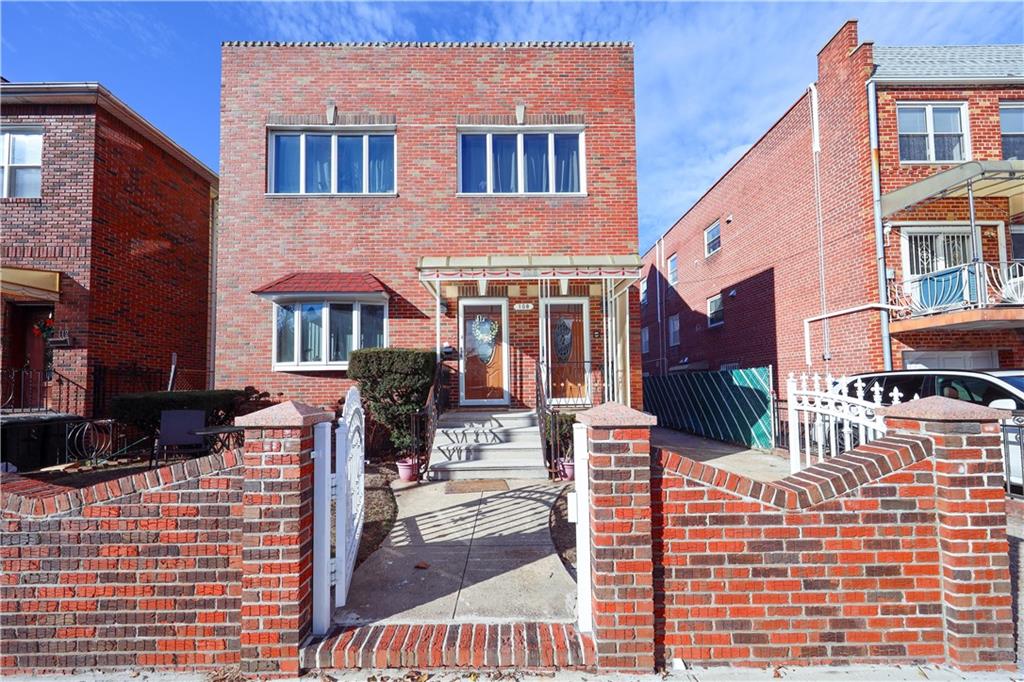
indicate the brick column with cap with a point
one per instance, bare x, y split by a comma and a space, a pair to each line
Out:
277, 536
971, 517
619, 476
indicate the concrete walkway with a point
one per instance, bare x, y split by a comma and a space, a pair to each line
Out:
475, 557
760, 465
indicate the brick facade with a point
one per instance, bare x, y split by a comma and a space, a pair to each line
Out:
427, 90
127, 224
768, 269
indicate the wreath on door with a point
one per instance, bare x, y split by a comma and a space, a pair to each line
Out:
485, 332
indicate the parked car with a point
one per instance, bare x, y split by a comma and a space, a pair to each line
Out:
1002, 389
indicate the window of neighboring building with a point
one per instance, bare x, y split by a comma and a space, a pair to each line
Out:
643, 291
728, 366
322, 334
21, 160
521, 163
673, 271
716, 311
1017, 242
331, 163
712, 239
673, 330
645, 340
932, 132
1011, 123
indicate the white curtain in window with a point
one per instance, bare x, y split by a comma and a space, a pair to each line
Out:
311, 327
503, 151
567, 163
382, 163
318, 164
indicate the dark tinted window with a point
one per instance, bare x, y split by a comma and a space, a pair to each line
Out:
972, 389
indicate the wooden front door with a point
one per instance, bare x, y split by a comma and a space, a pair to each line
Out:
567, 354
483, 376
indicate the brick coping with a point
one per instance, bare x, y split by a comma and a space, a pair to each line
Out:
826, 480
521, 645
25, 497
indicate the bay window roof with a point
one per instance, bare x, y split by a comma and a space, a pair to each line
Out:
322, 283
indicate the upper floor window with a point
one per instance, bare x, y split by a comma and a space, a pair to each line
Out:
1011, 123
673, 270
522, 163
716, 311
21, 160
331, 163
712, 239
643, 291
932, 133
673, 330
322, 334
645, 340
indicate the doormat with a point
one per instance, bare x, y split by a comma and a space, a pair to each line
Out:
460, 487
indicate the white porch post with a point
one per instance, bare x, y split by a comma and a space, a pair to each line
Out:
437, 318
581, 462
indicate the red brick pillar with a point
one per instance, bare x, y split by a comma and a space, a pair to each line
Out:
277, 537
971, 524
622, 573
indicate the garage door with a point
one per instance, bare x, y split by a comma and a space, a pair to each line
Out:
959, 359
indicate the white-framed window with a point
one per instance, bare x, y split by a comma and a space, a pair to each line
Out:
314, 162
522, 162
673, 330
643, 291
645, 340
728, 366
21, 162
673, 270
933, 132
934, 249
712, 239
1017, 242
321, 334
1011, 126
716, 311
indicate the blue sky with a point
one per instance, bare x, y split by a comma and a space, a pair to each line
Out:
710, 77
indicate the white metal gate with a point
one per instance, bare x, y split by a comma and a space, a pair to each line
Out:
346, 489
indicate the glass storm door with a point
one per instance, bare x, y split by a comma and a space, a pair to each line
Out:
567, 351
483, 378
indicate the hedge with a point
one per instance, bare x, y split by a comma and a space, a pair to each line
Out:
394, 383
142, 410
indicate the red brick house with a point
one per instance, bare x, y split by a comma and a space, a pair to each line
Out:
893, 265
106, 250
475, 199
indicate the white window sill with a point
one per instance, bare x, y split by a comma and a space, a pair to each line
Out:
933, 163
717, 324
709, 255
313, 367
343, 195
523, 195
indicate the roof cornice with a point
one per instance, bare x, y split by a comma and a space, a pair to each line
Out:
412, 44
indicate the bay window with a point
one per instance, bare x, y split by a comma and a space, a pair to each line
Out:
932, 133
521, 163
321, 335
311, 162
21, 154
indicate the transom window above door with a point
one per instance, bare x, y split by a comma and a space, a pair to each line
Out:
313, 162
526, 162
932, 133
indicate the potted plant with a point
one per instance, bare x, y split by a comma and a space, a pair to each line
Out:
568, 468
409, 469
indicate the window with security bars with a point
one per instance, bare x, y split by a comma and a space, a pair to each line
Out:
932, 252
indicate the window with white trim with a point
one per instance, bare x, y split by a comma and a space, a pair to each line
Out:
927, 250
645, 340
716, 311
712, 239
1011, 125
21, 161
673, 330
643, 291
319, 334
312, 162
932, 133
527, 162
673, 270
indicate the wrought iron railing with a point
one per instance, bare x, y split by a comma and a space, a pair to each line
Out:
555, 419
424, 422
971, 285
40, 390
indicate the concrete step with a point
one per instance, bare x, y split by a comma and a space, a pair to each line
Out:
485, 435
477, 419
501, 451
507, 468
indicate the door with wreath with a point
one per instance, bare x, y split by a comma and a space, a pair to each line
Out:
484, 355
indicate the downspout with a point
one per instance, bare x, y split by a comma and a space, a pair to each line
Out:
820, 221
876, 200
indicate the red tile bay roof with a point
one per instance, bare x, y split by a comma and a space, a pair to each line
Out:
323, 283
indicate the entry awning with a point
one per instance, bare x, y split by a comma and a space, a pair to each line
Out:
987, 179
30, 285
302, 284
438, 268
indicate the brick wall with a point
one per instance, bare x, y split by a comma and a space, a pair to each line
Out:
143, 571
425, 88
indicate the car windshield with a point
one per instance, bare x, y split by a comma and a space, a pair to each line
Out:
1015, 380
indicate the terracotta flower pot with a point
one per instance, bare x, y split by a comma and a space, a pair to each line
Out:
569, 470
408, 470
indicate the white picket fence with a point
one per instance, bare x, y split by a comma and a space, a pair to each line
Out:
825, 420
345, 487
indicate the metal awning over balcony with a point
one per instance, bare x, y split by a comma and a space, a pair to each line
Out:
972, 178
23, 284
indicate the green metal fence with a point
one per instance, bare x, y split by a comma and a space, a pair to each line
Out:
731, 405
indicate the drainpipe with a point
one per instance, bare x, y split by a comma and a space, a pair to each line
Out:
876, 200
820, 221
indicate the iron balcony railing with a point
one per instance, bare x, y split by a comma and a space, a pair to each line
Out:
967, 286
39, 390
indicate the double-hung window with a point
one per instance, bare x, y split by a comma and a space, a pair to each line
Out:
522, 162
21, 160
716, 311
643, 291
645, 340
712, 239
1011, 124
932, 133
314, 162
673, 270
322, 334
673, 330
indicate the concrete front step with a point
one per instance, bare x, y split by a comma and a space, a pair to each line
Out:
523, 646
510, 468
471, 435
492, 420
484, 444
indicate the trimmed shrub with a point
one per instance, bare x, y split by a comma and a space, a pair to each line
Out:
142, 410
394, 383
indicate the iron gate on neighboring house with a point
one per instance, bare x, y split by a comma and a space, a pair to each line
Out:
733, 405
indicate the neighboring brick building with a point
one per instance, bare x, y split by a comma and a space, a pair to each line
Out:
106, 254
731, 283
411, 195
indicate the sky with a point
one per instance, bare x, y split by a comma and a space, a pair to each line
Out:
711, 77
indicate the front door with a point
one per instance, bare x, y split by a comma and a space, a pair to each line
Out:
483, 365
567, 351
